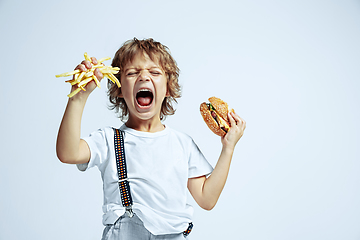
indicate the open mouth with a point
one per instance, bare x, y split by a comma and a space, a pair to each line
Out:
144, 97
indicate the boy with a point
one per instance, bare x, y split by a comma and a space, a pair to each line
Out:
161, 162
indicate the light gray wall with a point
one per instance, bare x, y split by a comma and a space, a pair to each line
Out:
289, 68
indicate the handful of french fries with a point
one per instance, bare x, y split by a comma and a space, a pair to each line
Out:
81, 78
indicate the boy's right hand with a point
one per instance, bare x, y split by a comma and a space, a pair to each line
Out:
70, 147
84, 66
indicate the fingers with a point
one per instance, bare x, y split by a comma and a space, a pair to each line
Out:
94, 60
87, 64
84, 65
98, 74
236, 120
240, 122
237, 127
231, 119
81, 66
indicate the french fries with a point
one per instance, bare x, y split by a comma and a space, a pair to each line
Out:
81, 79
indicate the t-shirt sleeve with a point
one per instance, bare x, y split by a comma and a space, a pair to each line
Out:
198, 165
99, 149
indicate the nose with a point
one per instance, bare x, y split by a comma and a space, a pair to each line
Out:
144, 76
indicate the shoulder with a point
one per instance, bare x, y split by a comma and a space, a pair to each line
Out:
104, 131
184, 139
101, 135
179, 134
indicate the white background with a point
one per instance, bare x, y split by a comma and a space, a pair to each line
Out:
289, 68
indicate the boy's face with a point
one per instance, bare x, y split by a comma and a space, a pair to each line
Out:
143, 87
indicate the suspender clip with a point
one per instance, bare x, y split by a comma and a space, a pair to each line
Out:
129, 211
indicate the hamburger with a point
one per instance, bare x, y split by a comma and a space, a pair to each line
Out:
215, 115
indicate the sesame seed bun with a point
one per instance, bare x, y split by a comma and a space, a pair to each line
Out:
222, 110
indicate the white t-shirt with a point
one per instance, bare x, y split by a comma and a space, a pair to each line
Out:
159, 165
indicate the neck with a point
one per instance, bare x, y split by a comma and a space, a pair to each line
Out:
145, 125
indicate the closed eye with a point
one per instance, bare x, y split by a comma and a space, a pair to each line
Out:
131, 73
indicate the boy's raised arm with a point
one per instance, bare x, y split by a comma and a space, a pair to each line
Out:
206, 191
69, 147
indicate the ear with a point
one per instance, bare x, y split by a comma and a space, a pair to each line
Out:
120, 95
167, 93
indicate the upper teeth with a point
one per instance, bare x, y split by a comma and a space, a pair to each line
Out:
144, 90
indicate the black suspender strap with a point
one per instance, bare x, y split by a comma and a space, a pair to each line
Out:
122, 172
188, 230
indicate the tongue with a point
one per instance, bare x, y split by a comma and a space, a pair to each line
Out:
144, 101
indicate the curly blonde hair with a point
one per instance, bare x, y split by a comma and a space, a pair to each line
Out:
156, 51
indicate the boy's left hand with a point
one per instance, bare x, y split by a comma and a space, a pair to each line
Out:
237, 128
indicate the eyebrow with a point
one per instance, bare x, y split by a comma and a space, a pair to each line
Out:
137, 68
